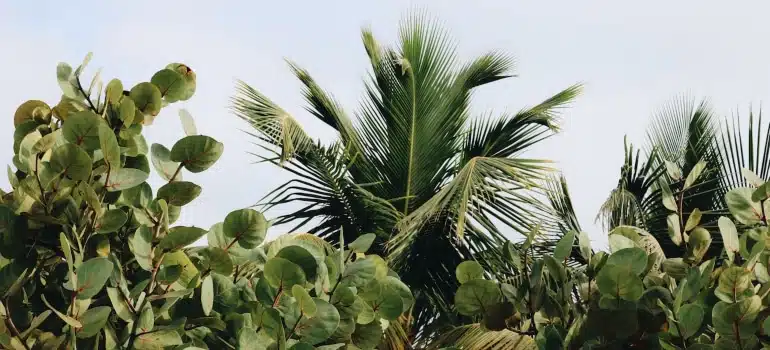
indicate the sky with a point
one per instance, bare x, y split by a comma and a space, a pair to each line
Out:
632, 58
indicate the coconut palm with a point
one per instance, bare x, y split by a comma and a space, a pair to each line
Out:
682, 134
437, 185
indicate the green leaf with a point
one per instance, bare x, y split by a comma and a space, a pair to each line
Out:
123, 178
188, 123
367, 336
138, 196
217, 260
700, 240
93, 321
179, 193
728, 319
282, 273
469, 270
114, 91
321, 326
109, 146
147, 98
207, 295
359, 273
92, 275
197, 152
248, 226
169, 274
673, 170
302, 257
362, 243
733, 282
476, 296
564, 246
674, 229
82, 129
69, 320
693, 220
635, 259
729, 236
620, 281
742, 207
668, 198
171, 84
119, 304
618, 242
690, 317
71, 161
692, 177
179, 237
111, 221
304, 301
390, 305
161, 161
752, 177
761, 193
585, 245
157, 340
140, 244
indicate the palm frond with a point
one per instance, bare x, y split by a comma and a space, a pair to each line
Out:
738, 152
474, 337
273, 124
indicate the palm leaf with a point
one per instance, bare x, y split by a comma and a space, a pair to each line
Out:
738, 152
474, 337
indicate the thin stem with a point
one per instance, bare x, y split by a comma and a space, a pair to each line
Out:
178, 169
301, 313
278, 296
88, 98
237, 237
14, 330
340, 278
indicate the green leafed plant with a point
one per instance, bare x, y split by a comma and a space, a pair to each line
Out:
90, 257
635, 297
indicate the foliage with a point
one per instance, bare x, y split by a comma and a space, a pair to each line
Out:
91, 259
412, 165
635, 296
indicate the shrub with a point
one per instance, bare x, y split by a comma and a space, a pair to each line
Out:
633, 296
90, 258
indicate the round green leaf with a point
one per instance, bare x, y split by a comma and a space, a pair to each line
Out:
634, 258
138, 196
302, 258
171, 84
161, 160
197, 152
620, 281
92, 275
469, 270
367, 336
111, 221
188, 123
282, 273
729, 236
123, 178
248, 226
217, 260
114, 91
147, 98
742, 207
82, 129
690, 317
179, 237
475, 296
362, 243
359, 273
321, 326
733, 282
71, 161
390, 305
169, 274
189, 77
304, 301
93, 321
179, 193
394, 285
127, 112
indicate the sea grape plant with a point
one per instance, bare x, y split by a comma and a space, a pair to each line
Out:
633, 296
91, 259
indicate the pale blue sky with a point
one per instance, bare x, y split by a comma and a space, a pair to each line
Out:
632, 58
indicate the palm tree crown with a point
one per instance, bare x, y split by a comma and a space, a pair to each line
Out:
412, 166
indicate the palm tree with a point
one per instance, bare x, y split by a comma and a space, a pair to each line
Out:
683, 133
412, 165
